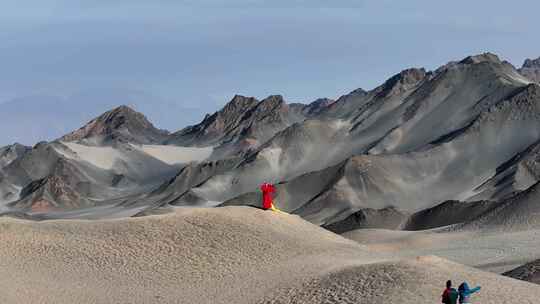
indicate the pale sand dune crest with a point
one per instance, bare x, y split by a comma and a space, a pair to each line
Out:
222, 255
218, 255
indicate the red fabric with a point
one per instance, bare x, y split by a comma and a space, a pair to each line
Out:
267, 191
446, 296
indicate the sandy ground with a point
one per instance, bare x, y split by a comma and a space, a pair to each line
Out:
487, 250
219, 255
176, 155
101, 157
405, 281
106, 157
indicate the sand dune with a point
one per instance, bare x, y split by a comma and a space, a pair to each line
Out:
176, 155
218, 255
106, 157
101, 157
408, 281
487, 250
225, 255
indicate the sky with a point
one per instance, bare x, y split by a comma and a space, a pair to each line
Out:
185, 58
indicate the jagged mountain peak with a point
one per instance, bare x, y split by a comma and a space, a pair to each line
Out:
209, 130
11, 153
312, 109
402, 81
237, 104
119, 124
531, 69
321, 102
122, 115
317, 106
531, 63
411, 75
274, 99
13, 148
484, 57
123, 108
271, 102
358, 91
230, 112
244, 122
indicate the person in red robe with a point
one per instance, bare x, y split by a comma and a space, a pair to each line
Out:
267, 191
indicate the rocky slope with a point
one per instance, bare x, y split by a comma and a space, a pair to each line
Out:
439, 142
242, 125
103, 163
121, 124
531, 69
529, 272
467, 131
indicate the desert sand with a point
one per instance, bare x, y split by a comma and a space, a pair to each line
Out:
101, 157
486, 250
176, 155
106, 157
221, 255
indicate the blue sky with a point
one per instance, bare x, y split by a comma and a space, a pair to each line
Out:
196, 54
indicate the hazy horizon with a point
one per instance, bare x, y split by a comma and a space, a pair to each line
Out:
177, 60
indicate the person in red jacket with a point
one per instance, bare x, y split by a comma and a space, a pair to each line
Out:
267, 191
450, 295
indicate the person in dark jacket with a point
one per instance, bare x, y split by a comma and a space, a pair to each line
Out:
450, 295
465, 293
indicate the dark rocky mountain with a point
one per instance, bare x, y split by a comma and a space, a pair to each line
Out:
33, 118
465, 134
176, 190
121, 124
531, 69
386, 218
242, 125
10, 153
517, 174
218, 126
447, 213
312, 109
461, 121
517, 213
62, 188
529, 272
100, 164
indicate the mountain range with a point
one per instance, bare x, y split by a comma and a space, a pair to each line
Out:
23, 119
456, 145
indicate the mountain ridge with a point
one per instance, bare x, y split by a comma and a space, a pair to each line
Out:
401, 145
119, 124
